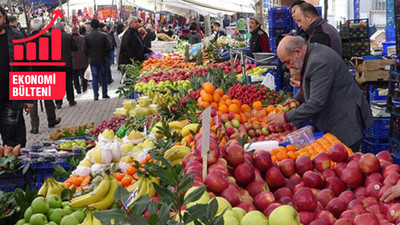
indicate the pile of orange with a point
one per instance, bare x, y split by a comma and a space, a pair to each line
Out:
128, 178
77, 181
167, 62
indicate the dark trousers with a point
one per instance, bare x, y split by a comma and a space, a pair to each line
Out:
50, 111
99, 73
12, 124
78, 79
108, 70
69, 86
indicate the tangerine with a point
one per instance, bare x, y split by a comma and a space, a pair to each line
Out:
233, 108
226, 97
223, 108
131, 170
127, 180
220, 92
237, 102
204, 105
214, 105
216, 97
209, 88
270, 108
245, 107
257, 105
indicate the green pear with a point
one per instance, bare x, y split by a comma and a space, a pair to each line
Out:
39, 205
284, 215
57, 215
230, 220
204, 199
79, 215
20, 222
64, 204
38, 219
255, 218
239, 212
52, 223
54, 201
68, 210
28, 213
69, 220
222, 205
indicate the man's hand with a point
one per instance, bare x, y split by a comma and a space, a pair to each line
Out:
294, 83
28, 107
276, 119
391, 193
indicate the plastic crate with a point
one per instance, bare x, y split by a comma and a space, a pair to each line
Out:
379, 129
279, 17
370, 145
374, 95
319, 9
275, 32
44, 170
279, 12
385, 45
394, 145
396, 158
9, 181
136, 95
390, 34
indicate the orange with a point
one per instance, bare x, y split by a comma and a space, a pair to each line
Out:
204, 105
245, 107
131, 170
291, 148
237, 102
270, 108
207, 98
127, 180
220, 92
209, 88
214, 105
216, 97
257, 105
228, 102
223, 108
225, 97
233, 108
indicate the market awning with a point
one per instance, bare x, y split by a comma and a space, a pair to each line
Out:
178, 6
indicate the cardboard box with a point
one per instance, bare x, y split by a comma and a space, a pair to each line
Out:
372, 75
372, 65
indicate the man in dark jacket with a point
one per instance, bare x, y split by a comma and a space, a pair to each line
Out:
329, 95
194, 36
79, 63
259, 41
132, 45
219, 31
68, 45
97, 47
12, 124
317, 30
104, 29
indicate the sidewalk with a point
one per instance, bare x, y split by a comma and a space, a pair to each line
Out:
87, 110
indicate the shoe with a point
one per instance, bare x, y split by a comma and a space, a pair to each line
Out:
78, 93
110, 82
72, 103
58, 106
35, 131
96, 98
106, 96
55, 122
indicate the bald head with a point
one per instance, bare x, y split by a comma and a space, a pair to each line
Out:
292, 51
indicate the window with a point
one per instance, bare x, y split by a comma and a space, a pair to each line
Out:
378, 5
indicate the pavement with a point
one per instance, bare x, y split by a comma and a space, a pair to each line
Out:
86, 111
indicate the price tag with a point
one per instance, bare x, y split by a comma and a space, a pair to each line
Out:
205, 139
131, 198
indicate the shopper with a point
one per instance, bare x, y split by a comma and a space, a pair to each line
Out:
241, 33
330, 98
12, 124
194, 36
132, 45
259, 41
97, 47
198, 29
104, 29
219, 31
79, 63
317, 30
150, 36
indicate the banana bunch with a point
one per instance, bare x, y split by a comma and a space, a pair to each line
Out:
100, 198
164, 100
176, 126
90, 220
51, 186
185, 132
144, 186
176, 154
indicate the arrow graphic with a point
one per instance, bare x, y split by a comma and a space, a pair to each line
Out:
56, 13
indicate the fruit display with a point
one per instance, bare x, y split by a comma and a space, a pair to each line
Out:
114, 124
68, 145
256, 71
74, 131
162, 86
248, 94
77, 181
50, 187
8, 155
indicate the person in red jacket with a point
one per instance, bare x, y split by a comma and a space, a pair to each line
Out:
259, 41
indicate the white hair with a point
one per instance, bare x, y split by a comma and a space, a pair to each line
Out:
36, 24
130, 19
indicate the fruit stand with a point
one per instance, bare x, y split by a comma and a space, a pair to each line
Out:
191, 144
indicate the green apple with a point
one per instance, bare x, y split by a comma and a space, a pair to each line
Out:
65, 204
79, 215
68, 210
52, 223
69, 220
38, 219
284, 215
54, 201
28, 213
230, 220
239, 212
49, 212
20, 222
255, 218
56, 215
39, 205
222, 205
204, 199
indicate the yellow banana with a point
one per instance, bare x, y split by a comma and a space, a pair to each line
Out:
135, 185
109, 198
96, 221
56, 188
143, 188
50, 189
99, 192
89, 219
177, 152
190, 127
176, 162
151, 191
43, 190
176, 125
184, 139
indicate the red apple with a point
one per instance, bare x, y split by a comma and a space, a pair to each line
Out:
369, 163
373, 189
338, 153
339, 168
360, 191
383, 190
304, 200
375, 209
394, 168
216, 181
384, 164
232, 194
196, 170
248, 157
219, 167
246, 198
256, 187
322, 162
263, 200
313, 179
297, 187
319, 222
234, 155
319, 208
287, 167
356, 205
303, 164
366, 218
336, 185
352, 177
385, 155
391, 179
355, 157
262, 161
244, 174
246, 206
324, 196
344, 221
352, 164
293, 181
380, 216
327, 216
267, 211
282, 192
370, 201
285, 200
373, 177
306, 217
274, 178
193, 163
350, 214
347, 196
336, 206
212, 155
188, 158
329, 173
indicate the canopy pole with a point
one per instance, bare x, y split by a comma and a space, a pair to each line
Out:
26, 18
111, 15
207, 25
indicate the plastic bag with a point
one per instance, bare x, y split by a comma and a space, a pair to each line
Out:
155, 55
88, 74
269, 81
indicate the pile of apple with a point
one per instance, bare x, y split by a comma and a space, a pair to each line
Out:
247, 94
349, 193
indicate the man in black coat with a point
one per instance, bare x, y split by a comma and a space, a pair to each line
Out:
97, 47
132, 46
68, 45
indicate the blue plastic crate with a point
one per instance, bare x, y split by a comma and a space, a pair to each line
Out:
390, 34
279, 12
374, 95
385, 45
319, 9
369, 145
396, 158
44, 170
274, 32
379, 129
136, 95
394, 145
9, 181
394, 126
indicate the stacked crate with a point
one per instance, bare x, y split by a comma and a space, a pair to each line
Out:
393, 107
279, 22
